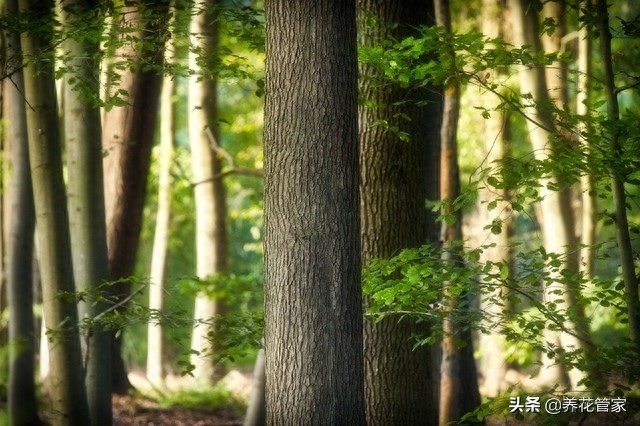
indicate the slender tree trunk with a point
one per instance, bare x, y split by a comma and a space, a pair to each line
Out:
159, 254
22, 403
82, 129
66, 374
497, 246
127, 140
459, 393
555, 212
256, 411
313, 306
617, 183
212, 257
589, 222
396, 178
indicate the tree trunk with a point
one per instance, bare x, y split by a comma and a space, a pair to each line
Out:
65, 380
82, 129
589, 222
212, 257
256, 411
619, 197
497, 147
22, 403
127, 140
313, 306
555, 212
155, 372
459, 393
396, 178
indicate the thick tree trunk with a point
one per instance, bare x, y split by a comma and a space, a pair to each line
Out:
127, 140
22, 403
212, 256
396, 178
66, 376
313, 306
555, 212
82, 129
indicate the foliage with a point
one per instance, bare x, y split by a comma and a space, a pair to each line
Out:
213, 398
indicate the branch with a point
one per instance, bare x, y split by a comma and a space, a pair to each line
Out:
232, 163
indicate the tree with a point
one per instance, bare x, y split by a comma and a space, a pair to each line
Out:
555, 215
399, 160
459, 393
313, 307
159, 254
617, 183
66, 374
82, 130
212, 257
497, 146
22, 403
127, 139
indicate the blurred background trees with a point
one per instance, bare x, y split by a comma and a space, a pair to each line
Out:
536, 261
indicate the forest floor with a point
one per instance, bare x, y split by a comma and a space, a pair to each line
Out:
137, 411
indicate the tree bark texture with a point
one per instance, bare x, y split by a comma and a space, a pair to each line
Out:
212, 253
66, 376
397, 177
82, 129
313, 306
127, 140
22, 403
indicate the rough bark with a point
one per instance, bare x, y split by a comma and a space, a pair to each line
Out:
212, 257
127, 140
82, 129
65, 380
617, 184
459, 393
396, 178
554, 212
22, 403
313, 306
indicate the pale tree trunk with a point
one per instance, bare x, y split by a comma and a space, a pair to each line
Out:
589, 221
397, 177
159, 254
313, 304
619, 197
66, 376
127, 138
212, 256
22, 403
555, 215
497, 147
82, 129
157, 277
256, 411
